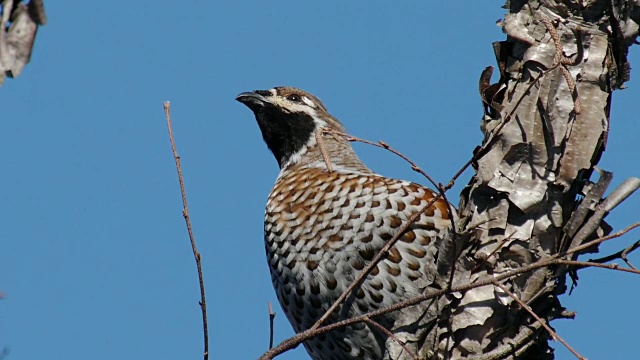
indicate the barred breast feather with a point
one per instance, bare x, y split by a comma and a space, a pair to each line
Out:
322, 228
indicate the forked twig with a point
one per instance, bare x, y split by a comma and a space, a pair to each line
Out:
492, 253
392, 336
185, 215
598, 241
542, 322
622, 254
586, 264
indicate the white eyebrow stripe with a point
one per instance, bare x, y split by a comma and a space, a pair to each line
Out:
308, 101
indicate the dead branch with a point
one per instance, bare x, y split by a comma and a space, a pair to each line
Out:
622, 254
515, 348
586, 264
542, 322
185, 215
392, 336
384, 145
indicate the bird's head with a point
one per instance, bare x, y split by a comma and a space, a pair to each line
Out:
288, 118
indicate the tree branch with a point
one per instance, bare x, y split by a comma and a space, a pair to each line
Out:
622, 254
185, 215
542, 322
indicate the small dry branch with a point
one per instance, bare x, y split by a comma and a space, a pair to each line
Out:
194, 248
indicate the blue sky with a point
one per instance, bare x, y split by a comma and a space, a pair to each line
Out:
95, 260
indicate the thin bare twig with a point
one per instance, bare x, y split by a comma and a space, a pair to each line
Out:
586, 264
272, 316
513, 349
392, 336
598, 241
542, 322
492, 253
457, 175
323, 149
185, 215
384, 145
622, 254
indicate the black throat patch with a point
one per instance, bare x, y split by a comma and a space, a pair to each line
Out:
285, 133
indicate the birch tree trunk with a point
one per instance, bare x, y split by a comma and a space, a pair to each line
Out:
545, 124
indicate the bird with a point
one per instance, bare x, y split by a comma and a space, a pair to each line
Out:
326, 218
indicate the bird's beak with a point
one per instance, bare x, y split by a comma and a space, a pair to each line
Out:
252, 99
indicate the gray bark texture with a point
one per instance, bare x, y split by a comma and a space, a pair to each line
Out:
18, 27
545, 125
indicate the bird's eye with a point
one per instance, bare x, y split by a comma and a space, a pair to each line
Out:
294, 97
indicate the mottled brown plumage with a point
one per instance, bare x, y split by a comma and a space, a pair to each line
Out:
323, 227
